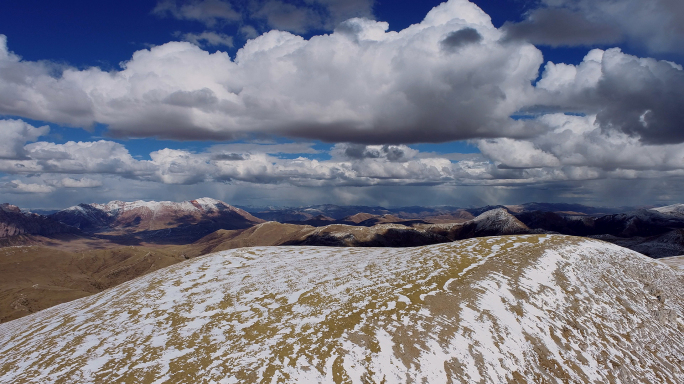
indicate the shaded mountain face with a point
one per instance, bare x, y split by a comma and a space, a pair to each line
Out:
496, 222
14, 222
291, 215
651, 232
535, 308
346, 214
154, 221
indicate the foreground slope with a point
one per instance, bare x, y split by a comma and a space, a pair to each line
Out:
501, 309
33, 278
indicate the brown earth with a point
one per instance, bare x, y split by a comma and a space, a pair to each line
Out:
36, 277
38, 272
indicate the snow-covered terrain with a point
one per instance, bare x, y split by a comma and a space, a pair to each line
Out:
676, 210
204, 204
154, 215
519, 309
676, 262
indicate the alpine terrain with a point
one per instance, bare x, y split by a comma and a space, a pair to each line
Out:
157, 221
508, 309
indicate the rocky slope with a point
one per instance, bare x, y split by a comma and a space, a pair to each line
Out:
156, 221
14, 222
535, 308
495, 222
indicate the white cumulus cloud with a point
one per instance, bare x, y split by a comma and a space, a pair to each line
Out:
358, 84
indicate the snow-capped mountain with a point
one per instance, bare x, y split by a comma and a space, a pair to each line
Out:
154, 215
532, 308
498, 222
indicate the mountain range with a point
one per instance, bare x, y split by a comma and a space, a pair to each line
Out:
88, 248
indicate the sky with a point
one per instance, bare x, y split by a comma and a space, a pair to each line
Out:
349, 102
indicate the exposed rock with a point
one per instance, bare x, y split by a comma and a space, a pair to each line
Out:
14, 222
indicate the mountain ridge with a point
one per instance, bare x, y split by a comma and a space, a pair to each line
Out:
527, 308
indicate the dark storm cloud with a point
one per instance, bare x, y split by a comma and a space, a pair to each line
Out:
561, 27
657, 26
641, 97
360, 151
645, 102
392, 153
199, 99
229, 157
457, 39
299, 16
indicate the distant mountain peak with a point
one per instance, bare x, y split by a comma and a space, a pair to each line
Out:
676, 210
500, 221
6, 207
136, 216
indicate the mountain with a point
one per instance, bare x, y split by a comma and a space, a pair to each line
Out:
292, 215
154, 221
675, 210
14, 222
534, 308
388, 234
438, 214
567, 208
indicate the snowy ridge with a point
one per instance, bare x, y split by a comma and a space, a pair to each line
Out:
493, 310
676, 210
116, 207
500, 220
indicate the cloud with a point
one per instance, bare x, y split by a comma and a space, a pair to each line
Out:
561, 27
393, 153
17, 186
248, 31
457, 39
98, 157
209, 12
578, 145
14, 134
207, 39
79, 183
641, 97
656, 25
359, 84
573, 153
268, 148
292, 16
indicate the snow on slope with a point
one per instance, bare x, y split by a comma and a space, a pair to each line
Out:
203, 204
676, 262
117, 207
500, 221
493, 310
676, 210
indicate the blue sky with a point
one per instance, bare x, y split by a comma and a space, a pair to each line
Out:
318, 101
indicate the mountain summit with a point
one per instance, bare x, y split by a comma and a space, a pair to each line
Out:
527, 308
